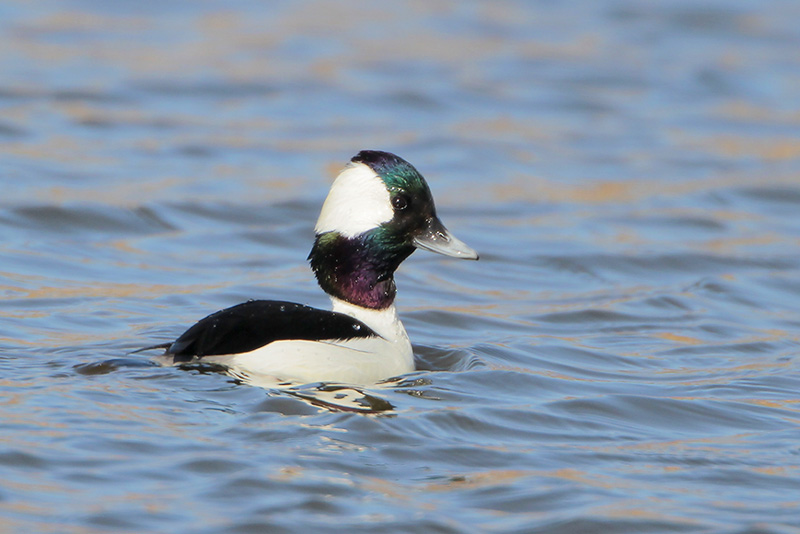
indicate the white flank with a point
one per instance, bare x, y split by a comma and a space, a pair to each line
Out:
358, 201
361, 361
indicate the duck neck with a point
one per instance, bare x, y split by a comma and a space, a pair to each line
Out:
359, 270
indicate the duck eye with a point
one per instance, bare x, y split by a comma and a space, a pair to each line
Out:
400, 202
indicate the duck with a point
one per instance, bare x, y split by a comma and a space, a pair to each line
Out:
378, 211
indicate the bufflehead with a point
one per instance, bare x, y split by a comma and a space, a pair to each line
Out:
378, 211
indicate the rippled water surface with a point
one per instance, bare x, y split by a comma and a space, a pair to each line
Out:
622, 359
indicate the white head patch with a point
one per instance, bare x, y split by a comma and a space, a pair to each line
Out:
358, 201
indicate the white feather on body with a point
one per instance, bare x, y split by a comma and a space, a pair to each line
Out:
351, 361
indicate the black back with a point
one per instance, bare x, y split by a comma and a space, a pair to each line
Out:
256, 323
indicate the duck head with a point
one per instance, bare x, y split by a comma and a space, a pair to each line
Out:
378, 211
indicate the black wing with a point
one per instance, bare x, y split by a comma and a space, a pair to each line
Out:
256, 323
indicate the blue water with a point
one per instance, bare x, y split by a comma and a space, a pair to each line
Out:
622, 359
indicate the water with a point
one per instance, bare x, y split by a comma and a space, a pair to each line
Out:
623, 358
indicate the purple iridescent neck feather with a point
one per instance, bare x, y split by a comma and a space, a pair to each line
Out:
358, 270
